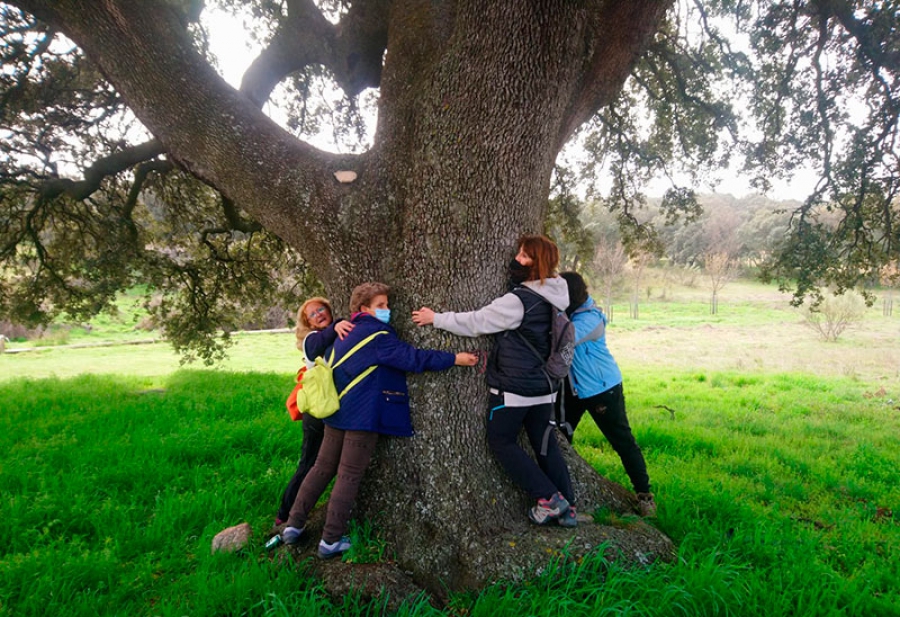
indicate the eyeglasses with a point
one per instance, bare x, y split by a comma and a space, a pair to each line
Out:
312, 314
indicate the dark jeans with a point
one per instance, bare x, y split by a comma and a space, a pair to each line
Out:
540, 480
313, 431
344, 454
608, 411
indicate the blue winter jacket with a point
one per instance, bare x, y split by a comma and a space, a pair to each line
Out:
593, 370
380, 402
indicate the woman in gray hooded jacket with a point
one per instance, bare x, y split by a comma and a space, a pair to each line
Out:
520, 394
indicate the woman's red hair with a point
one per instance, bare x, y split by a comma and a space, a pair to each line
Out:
544, 255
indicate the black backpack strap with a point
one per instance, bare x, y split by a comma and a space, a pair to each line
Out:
562, 425
532, 292
557, 387
562, 413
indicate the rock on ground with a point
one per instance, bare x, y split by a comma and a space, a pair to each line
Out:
232, 539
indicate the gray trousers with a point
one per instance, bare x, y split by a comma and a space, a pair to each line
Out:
344, 455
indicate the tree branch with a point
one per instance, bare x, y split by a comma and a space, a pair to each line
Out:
13, 55
871, 45
100, 169
234, 218
620, 33
360, 44
823, 104
305, 37
140, 176
351, 50
204, 125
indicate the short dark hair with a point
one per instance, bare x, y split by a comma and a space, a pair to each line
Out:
363, 294
578, 291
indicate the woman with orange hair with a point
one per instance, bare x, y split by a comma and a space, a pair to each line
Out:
316, 331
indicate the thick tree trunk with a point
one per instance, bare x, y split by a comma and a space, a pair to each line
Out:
471, 174
476, 99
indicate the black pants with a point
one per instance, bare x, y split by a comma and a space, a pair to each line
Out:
313, 431
540, 480
608, 411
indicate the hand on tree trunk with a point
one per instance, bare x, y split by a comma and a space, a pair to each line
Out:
423, 317
465, 358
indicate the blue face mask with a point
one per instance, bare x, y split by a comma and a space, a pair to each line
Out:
383, 315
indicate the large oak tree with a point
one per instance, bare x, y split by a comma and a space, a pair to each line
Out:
475, 101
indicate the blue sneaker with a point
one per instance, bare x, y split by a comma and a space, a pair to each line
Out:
547, 510
291, 535
335, 549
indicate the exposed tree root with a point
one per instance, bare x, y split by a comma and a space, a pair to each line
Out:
513, 556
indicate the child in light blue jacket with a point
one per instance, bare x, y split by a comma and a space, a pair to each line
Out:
595, 386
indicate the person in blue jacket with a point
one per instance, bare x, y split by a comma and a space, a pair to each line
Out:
316, 331
594, 385
376, 405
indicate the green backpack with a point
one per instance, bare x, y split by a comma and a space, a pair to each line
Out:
318, 397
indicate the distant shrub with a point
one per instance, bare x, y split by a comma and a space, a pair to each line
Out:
19, 333
688, 274
835, 314
269, 319
55, 335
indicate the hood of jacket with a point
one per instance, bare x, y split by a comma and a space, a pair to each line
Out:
554, 290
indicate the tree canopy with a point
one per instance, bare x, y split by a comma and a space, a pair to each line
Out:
94, 201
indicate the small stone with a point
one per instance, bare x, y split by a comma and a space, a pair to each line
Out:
232, 539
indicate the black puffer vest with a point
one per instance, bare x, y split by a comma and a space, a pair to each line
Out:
512, 366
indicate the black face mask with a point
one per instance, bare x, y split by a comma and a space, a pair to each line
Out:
517, 272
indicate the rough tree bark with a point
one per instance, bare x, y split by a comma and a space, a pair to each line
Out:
476, 100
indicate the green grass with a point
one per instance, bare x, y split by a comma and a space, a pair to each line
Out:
154, 362
113, 493
775, 488
774, 458
694, 313
797, 474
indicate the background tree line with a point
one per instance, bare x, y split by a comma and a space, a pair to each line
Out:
725, 237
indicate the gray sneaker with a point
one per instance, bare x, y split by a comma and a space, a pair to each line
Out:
291, 535
646, 505
569, 518
548, 509
339, 547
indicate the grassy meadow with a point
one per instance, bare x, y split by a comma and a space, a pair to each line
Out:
774, 457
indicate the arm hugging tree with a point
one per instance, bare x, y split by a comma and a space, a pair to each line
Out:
476, 99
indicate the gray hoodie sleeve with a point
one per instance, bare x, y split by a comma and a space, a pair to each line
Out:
504, 313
